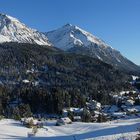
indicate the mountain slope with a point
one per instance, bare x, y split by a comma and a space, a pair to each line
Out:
39, 74
12, 30
74, 39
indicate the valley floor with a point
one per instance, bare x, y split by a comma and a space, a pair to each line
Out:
115, 130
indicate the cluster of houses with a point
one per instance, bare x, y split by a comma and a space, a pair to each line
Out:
63, 121
126, 105
93, 107
77, 113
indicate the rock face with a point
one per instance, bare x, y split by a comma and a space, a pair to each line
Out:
12, 30
74, 39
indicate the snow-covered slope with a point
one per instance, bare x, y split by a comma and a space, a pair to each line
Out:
69, 35
74, 39
123, 129
12, 30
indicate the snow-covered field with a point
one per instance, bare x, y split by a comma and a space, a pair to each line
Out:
13, 130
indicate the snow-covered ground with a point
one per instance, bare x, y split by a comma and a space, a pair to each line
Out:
13, 130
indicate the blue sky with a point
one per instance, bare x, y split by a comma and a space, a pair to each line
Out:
117, 22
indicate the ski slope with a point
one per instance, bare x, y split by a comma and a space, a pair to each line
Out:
13, 130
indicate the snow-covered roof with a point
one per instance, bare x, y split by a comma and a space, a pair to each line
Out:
25, 81
65, 120
134, 77
129, 102
75, 110
94, 104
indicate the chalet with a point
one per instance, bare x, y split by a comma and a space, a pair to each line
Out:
94, 105
75, 111
77, 118
63, 121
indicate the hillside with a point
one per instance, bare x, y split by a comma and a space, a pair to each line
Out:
49, 79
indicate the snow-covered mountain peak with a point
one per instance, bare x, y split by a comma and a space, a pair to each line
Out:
73, 39
5, 17
12, 30
68, 25
69, 36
